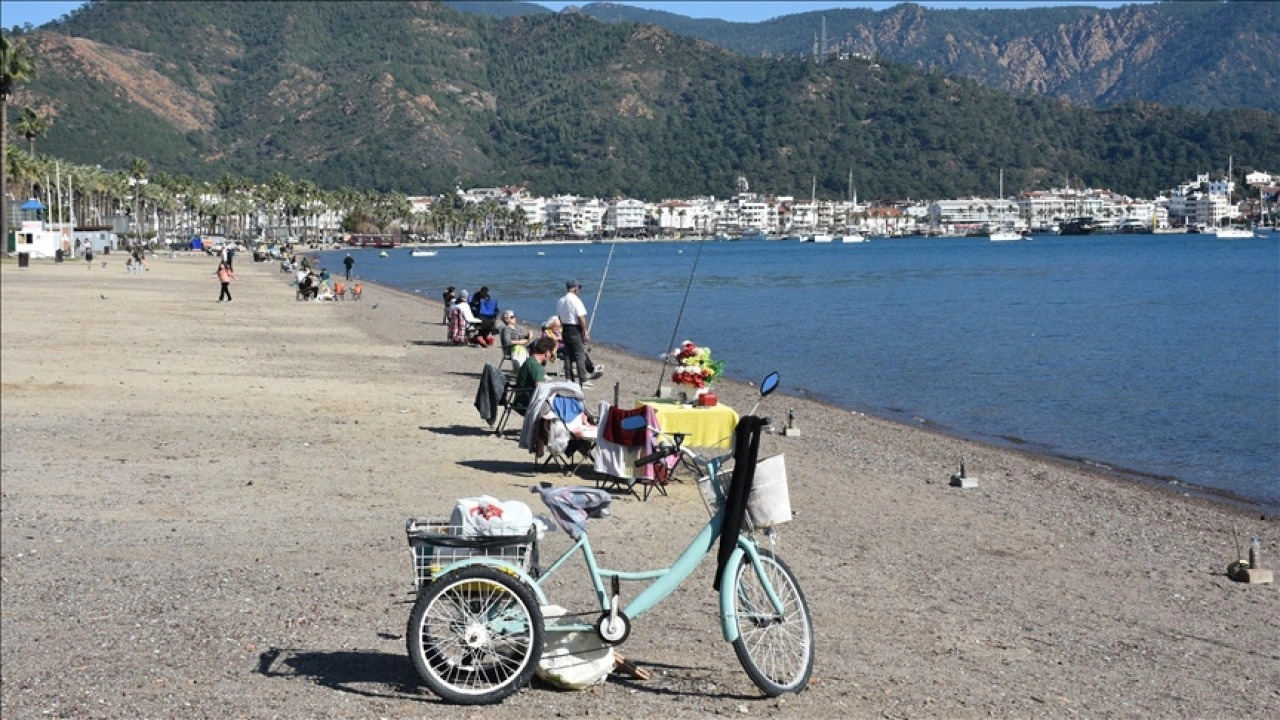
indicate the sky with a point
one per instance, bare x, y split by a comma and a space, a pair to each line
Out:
38, 12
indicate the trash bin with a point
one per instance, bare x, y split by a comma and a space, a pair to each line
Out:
57, 255
24, 259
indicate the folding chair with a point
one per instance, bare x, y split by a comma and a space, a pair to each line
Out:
536, 431
616, 452
568, 442
508, 358
509, 394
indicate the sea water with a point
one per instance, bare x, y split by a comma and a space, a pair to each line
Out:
1153, 354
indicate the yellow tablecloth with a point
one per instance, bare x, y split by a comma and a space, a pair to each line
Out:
704, 427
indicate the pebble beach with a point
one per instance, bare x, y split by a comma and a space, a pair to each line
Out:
203, 505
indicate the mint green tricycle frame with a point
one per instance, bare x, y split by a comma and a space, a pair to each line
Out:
664, 581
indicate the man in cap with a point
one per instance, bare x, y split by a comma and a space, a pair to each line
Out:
573, 316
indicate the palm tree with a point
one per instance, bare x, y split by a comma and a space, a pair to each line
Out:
137, 176
31, 126
16, 66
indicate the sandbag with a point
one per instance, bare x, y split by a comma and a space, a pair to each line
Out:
572, 660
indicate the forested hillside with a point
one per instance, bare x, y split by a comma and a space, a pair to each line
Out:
419, 98
1200, 55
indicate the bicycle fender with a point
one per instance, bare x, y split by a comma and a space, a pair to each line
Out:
728, 623
505, 567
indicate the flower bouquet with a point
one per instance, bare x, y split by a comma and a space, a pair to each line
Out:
695, 367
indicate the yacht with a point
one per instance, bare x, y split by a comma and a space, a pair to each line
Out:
1005, 235
1233, 233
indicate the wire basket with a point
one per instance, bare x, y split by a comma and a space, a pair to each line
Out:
769, 503
435, 544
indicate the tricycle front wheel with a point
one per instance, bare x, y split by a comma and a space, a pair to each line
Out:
475, 635
775, 649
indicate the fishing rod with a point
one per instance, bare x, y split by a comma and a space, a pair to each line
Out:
600, 290
675, 330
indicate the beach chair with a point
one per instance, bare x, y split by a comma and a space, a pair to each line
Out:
569, 435
509, 359
616, 451
510, 393
557, 432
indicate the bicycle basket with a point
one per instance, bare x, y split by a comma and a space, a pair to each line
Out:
435, 543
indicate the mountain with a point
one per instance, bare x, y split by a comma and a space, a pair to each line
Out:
1200, 55
419, 98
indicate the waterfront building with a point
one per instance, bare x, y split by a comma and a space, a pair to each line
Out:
625, 217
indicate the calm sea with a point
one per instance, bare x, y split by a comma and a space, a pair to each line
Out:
1157, 355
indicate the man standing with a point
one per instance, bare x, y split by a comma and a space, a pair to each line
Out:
349, 262
573, 316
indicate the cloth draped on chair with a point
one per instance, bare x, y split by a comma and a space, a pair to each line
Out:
539, 403
457, 326
489, 393
617, 449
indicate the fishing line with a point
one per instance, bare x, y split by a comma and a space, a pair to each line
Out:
675, 330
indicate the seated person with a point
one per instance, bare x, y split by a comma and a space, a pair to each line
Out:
531, 373
461, 321
308, 285
512, 336
554, 329
485, 308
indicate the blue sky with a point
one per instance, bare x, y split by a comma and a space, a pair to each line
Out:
38, 12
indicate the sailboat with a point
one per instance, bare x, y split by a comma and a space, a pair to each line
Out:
850, 235
1232, 233
816, 237
1004, 233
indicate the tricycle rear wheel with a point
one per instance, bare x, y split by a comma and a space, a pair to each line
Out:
475, 635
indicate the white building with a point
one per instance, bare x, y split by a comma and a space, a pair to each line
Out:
625, 217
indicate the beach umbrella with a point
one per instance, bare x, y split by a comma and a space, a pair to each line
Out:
32, 204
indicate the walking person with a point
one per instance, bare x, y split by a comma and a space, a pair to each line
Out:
573, 317
225, 276
349, 262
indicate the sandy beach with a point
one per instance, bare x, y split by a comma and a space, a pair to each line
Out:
203, 505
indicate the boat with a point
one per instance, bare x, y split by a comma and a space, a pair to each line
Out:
1078, 226
1004, 232
1233, 233
853, 237
383, 254
754, 234
1004, 235
422, 253
818, 238
1230, 232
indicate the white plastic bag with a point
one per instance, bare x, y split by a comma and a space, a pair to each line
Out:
769, 503
573, 660
488, 516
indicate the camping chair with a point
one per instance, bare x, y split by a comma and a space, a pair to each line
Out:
509, 394
538, 432
569, 434
616, 451
507, 357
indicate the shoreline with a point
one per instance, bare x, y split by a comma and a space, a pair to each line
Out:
206, 502
1168, 483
